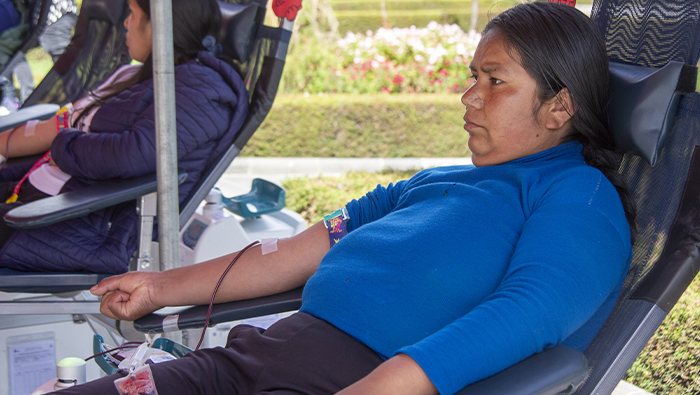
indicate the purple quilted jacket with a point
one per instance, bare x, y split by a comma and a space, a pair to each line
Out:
212, 104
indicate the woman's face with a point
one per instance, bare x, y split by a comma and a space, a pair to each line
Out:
138, 36
501, 116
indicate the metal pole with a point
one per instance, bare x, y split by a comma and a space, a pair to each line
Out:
166, 142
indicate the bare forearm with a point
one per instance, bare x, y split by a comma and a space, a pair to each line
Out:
25, 142
253, 275
398, 375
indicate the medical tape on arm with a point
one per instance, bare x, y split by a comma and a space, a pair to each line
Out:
268, 245
30, 128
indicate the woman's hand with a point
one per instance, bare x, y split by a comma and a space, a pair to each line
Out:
129, 296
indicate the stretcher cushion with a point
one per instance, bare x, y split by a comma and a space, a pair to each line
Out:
238, 29
643, 104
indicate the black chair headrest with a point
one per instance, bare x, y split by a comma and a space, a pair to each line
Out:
238, 29
643, 104
106, 10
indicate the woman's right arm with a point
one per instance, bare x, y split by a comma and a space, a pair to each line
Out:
133, 295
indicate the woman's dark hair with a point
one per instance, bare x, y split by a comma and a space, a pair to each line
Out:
193, 20
560, 47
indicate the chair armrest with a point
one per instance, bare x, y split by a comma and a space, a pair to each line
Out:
45, 282
558, 370
81, 202
194, 317
39, 111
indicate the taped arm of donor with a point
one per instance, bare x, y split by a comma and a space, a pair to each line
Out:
136, 294
29, 139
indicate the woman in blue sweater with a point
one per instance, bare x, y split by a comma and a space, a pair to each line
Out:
451, 276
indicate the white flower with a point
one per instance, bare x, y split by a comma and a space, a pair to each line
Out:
460, 48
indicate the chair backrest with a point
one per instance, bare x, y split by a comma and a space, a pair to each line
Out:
260, 56
667, 250
97, 49
37, 14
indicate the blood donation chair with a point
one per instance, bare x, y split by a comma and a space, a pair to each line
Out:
16, 42
96, 50
655, 118
259, 51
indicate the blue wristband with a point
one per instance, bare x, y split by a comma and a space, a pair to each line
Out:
335, 223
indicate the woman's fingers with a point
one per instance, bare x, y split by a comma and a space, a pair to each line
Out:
109, 284
125, 297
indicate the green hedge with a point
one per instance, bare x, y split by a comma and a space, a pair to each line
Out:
362, 126
361, 15
358, 23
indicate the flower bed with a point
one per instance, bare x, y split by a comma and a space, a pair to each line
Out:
434, 59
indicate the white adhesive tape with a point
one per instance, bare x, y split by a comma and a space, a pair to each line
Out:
170, 323
30, 128
268, 246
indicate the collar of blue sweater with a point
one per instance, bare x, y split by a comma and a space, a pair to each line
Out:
570, 149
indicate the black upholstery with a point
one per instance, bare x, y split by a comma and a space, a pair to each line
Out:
97, 49
238, 29
643, 105
37, 24
191, 317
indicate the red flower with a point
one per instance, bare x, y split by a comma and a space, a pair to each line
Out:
286, 8
567, 2
443, 72
398, 79
386, 90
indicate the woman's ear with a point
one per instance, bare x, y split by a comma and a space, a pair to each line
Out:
560, 110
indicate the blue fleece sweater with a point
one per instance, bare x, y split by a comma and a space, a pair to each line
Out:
469, 270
